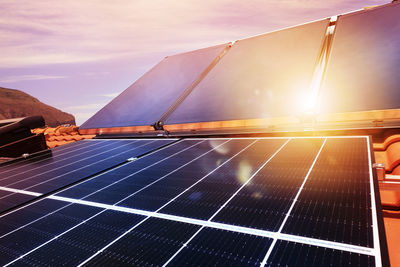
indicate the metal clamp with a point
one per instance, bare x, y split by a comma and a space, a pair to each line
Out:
380, 170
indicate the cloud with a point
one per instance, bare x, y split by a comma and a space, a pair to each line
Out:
65, 32
19, 78
81, 117
97, 73
94, 106
112, 95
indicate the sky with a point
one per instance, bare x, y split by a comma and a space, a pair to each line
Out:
78, 55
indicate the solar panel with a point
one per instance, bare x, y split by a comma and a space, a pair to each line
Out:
256, 76
45, 174
362, 70
146, 100
280, 201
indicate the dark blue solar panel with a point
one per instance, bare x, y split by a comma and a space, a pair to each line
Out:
27, 238
160, 193
56, 155
295, 254
335, 202
206, 197
216, 175
84, 240
122, 182
214, 247
362, 73
264, 202
19, 218
259, 77
9, 199
145, 101
44, 177
150, 244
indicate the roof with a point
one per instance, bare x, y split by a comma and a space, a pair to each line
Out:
61, 135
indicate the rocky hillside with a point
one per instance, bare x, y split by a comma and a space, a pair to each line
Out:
16, 104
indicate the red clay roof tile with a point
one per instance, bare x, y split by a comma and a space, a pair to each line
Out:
390, 198
61, 135
388, 153
392, 229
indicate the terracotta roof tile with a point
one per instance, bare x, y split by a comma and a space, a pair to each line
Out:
61, 135
392, 229
390, 198
388, 153
389, 140
396, 171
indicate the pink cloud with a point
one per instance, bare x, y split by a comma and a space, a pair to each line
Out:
67, 31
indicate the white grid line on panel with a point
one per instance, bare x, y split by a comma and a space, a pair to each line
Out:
57, 161
378, 258
227, 227
58, 176
157, 180
171, 200
39, 194
23, 163
226, 202
101, 205
145, 168
284, 137
71, 203
292, 205
275, 235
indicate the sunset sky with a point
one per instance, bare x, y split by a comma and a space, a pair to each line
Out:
78, 55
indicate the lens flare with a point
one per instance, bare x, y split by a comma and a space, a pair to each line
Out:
244, 171
221, 149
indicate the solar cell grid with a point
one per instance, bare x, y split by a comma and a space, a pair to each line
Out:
149, 173
294, 254
160, 193
155, 240
271, 192
56, 153
336, 197
44, 177
98, 231
160, 238
36, 234
204, 199
58, 161
215, 247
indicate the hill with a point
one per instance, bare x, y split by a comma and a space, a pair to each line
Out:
15, 104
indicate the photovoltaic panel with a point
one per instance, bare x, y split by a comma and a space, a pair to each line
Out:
362, 70
215, 247
40, 231
205, 198
8, 199
49, 174
56, 158
139, 236
159, 194
146, 100
185, 158
101, 229
153, 237
273, 189
256, 76
341, 175
18, 165
294, 254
